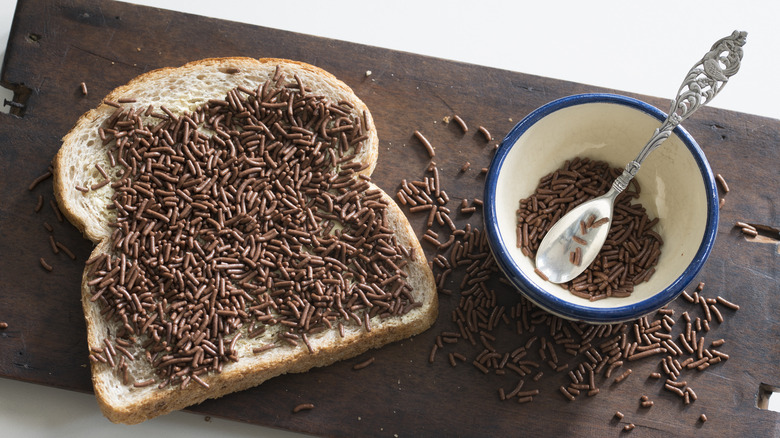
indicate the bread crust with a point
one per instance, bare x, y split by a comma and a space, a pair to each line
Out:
126, 404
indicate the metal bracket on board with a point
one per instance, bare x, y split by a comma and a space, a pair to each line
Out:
14, 96
19, 94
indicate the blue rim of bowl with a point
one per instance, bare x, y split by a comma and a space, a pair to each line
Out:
565, 308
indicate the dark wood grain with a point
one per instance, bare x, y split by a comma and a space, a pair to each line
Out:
54, 46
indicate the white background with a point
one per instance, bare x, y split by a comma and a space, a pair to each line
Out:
640, 47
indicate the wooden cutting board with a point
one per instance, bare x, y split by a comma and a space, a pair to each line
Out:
54, 46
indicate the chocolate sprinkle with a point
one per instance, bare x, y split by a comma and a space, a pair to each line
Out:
39, 180
365, 363
426, 143
45, 265
485, 133
461, 123
303, 407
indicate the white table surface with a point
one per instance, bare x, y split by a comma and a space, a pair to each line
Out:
623, 45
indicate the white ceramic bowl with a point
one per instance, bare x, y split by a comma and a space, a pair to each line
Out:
677, 185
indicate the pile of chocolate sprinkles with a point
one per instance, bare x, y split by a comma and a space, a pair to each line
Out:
428, 196
244, 215
632, 247
494, 330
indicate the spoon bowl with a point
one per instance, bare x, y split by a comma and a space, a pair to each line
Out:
556, 252
677, 183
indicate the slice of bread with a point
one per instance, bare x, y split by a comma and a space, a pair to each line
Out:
138, 388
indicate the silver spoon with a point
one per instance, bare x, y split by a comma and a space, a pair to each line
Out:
705, 79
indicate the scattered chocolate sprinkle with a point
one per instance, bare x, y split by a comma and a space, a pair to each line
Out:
623, 376
83, 86
365, 363
426, 143
703, 418
629, 427
726, 303
199, 381
750, 232
432, 355
39, 205
461, 123
303, 407
722, 182
541, 274
3, 325
599, 222
485, 133
481, 367
53, 244
39, 180
99, 185
112, 103
267, 347
56, 209
101, 170
566, 393
65, 249
144, 383
465, 166
45, 265
579, 240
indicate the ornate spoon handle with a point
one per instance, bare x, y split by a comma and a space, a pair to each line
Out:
705, 80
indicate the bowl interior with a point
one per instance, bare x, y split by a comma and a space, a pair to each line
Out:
675, 186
